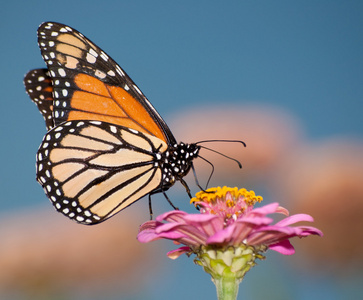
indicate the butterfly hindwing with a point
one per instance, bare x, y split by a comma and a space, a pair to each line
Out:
91, 170
38, 86
89, 85
107, 146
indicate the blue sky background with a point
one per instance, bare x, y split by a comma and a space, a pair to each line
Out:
303, 56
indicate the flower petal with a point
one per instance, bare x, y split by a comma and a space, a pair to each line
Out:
284, 247
174, 254
265, 210
294, 219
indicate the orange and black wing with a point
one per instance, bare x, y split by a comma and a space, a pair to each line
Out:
38, 86
90, 170
89, 85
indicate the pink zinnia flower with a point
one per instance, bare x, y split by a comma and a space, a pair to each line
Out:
229, 233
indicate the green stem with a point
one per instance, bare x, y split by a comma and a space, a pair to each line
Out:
227, 287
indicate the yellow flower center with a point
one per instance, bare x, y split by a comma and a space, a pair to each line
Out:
228, 194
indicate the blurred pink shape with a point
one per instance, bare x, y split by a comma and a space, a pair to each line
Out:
326, 181
269, 133
44, 253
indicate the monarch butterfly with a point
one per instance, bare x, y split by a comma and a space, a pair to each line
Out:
107, 146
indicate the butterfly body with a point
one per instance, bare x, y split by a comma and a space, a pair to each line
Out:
107, 146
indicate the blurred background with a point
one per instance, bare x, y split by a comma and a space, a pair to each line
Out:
286, 77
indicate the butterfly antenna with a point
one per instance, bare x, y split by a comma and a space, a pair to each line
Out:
222, 141
226, 156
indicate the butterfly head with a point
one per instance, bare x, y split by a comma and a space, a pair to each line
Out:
177, 161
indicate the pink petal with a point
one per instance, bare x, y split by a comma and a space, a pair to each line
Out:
174, 254
265, 210
146, 236
207, 223
294, 219
174, 216
284, 247
222, 236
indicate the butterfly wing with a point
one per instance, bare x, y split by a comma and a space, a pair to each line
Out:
89, 85
91, 170
38, 86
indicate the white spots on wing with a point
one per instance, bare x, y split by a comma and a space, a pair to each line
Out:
113, 129
133, 131
62, 72
64, 92
93, 52
126, 87
63, 29
80, 124
54, 33
118, 70
90, 58
137, 89
111, 73
52, 73
100, 74
104, 56
58, 128
96, 122
41, 78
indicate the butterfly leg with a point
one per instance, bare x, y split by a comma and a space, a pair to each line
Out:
186, 187
167, 198
150, 208
197, 182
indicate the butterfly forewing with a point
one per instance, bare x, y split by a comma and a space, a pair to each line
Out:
38, 86
107, 146
91, 170
89, 85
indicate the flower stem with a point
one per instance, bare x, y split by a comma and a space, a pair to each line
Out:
227, 287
